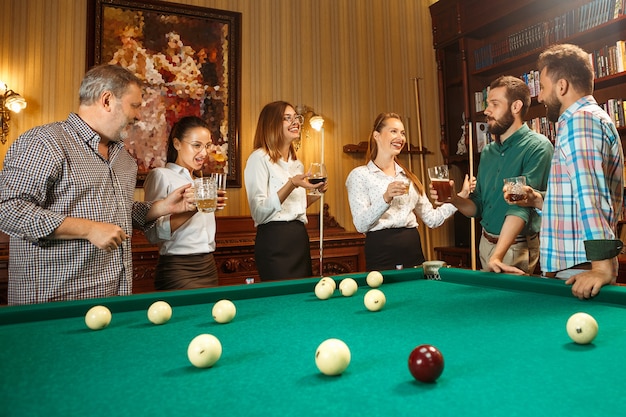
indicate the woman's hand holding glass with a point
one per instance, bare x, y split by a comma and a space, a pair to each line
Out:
318, 177
302, 180
396, 188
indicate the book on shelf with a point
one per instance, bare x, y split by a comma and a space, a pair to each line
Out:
620, 52
615, 9
608, 60
616, 109
544, 126
542, 34
480, 99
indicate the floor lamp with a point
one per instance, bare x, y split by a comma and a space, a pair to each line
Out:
317, 123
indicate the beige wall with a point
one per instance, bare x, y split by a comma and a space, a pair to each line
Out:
348, 59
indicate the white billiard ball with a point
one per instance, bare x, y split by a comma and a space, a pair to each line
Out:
159, 312
582, 328
332, 357
331, 281
374, 300
98, 317
324, 290
348, 287
204, 350
224, 311
374, 279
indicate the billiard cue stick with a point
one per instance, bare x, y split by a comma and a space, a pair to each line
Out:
408, 142
421, 158
471, 175
322, 213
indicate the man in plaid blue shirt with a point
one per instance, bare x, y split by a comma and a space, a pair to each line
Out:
66, 197
583, 201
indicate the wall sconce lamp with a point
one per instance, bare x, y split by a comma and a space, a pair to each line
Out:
10, 101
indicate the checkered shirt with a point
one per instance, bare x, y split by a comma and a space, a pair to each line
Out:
52, 172
585, 187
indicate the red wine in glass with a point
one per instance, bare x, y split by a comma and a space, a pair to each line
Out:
317, 173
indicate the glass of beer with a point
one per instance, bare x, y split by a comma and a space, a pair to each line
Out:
205, 191
514, 186
220, 182
440, 179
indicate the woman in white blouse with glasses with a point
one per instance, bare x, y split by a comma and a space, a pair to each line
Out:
276, 186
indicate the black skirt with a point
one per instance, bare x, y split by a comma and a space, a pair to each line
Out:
282, 250
393, 249
178, 272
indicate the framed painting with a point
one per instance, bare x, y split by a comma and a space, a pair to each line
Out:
189, 59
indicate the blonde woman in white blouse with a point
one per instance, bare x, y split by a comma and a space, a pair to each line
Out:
381, 206
276, 188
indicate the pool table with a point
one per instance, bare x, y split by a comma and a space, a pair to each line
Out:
503, 338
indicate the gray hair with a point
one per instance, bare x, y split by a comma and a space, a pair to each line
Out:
103, 78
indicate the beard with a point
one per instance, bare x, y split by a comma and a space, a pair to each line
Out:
125, 129
499, 126
122, 136
553, 108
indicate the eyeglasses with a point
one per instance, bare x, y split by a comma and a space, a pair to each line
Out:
292, 119
198, 146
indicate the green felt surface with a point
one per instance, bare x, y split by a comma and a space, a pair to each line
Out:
503, 339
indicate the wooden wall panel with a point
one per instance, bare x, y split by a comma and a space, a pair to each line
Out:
347, 59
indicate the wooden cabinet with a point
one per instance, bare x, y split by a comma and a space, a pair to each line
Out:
344, 252
476, 41
454, 256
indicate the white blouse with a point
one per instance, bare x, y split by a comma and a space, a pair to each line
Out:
263, 179
366, 185
196, 235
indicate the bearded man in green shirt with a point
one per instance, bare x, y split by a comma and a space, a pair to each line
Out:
510, 232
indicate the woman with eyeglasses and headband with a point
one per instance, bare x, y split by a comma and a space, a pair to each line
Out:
186, 241
386, 198
276, 186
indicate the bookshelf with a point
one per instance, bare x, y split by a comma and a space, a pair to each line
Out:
476, 41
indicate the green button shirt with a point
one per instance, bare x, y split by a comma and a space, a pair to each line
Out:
524, 153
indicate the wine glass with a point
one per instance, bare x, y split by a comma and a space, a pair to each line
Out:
317, 174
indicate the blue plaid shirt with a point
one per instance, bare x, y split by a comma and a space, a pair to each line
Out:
585, 187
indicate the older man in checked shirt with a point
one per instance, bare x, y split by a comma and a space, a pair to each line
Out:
66, 198
583, 201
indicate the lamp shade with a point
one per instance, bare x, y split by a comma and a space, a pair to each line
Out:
14, 102
317, 122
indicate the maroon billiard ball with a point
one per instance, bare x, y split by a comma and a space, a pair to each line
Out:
426, 363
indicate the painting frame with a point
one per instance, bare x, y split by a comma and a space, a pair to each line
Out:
186, 71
